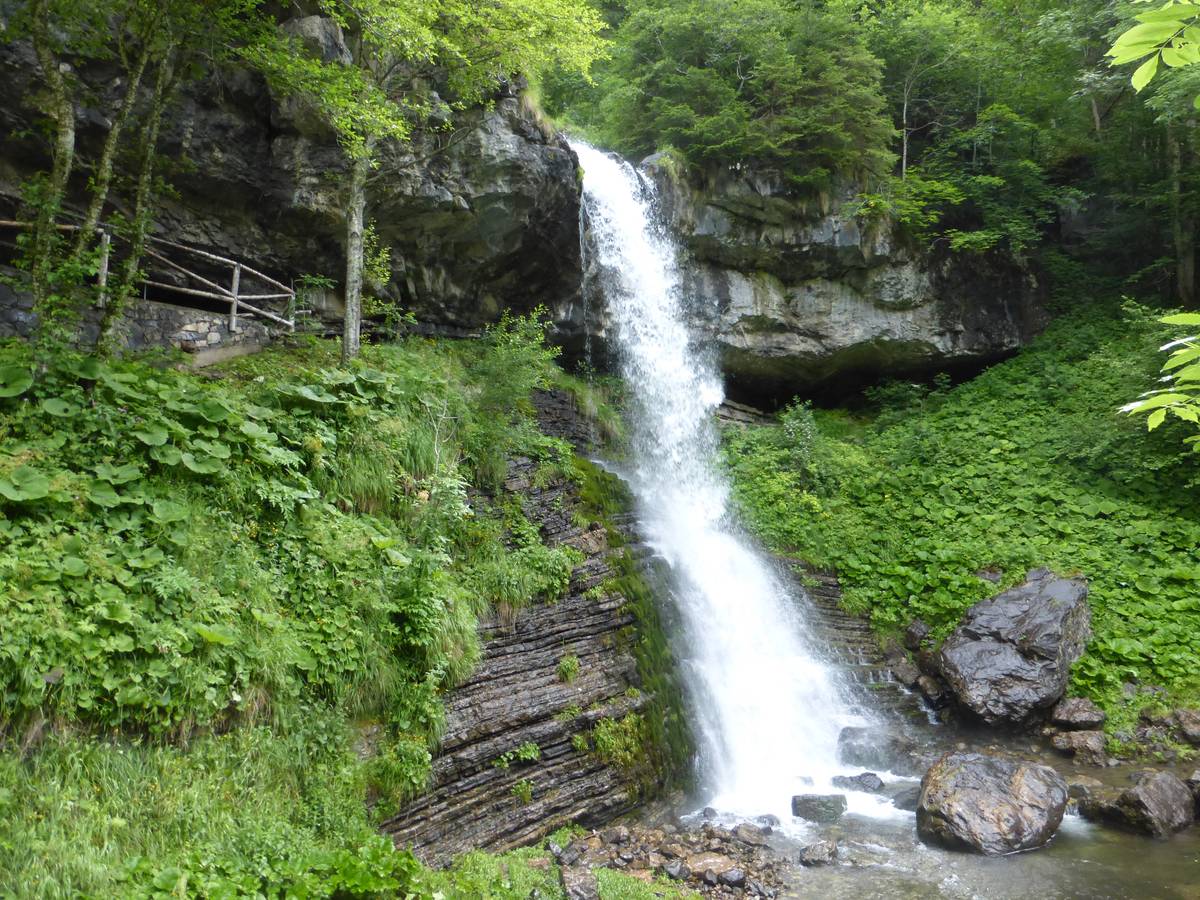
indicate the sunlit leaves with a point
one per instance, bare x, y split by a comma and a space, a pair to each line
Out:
1168, 34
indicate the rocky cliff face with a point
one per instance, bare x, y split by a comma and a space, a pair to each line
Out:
481, 218
521, 694
800, 295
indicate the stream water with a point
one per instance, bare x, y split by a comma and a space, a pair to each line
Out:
767, 706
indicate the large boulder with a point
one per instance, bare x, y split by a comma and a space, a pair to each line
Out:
799, 292
1159, 804
1012, 654
989, 805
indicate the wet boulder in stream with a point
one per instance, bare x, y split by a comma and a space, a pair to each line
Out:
1012, 654
989, 805
1159, 804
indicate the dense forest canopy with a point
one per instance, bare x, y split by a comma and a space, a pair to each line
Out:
979, 125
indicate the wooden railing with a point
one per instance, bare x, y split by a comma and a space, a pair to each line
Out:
238, 301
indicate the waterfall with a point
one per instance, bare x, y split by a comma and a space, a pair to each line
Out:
767, 710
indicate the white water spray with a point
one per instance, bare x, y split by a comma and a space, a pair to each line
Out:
768, 712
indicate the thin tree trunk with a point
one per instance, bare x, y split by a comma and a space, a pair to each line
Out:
1096, 119
102, 178
356, 207
62, 111
904, 137
1182, 225
141, 211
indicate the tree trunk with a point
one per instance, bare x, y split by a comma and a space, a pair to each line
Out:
1183, 226
356, 207
62, 111
102, 177
144, 197
904, 137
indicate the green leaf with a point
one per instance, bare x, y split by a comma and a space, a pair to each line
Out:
14, 380
1181, 319
257, 432
58, 407
216, 635
216, 449
202, 465
1146, 33
166, 511
1155, 419
1175, 13
102, 494
74, 566
25, 483
168, 455
1144, 72
152, 434
214, 411
117, 474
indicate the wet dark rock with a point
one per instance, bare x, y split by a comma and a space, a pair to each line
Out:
906, 672
1077, 713
1193, 785
750, 834
989, 805
823, 808
878, 748
618, 835
915, 635
1159, 804
867, 781
758, 889
678, 870
907, 799
1088, 747
1083, 787
934, 690
708, 812
710, 878
734, 877
767, 821
1187, 721
1012, 654
822, 853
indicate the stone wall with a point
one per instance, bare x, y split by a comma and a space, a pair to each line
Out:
147, 325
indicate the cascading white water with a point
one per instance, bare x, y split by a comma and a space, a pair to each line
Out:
768, 712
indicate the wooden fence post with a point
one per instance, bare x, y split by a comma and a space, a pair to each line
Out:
233, 301
102, 273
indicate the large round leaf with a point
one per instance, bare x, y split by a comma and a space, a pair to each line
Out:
56, 406
14, 380
25, 483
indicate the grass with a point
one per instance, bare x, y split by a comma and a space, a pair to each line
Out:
1027, 465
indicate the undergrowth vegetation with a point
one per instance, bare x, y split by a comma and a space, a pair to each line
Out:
1030, 464
210, 585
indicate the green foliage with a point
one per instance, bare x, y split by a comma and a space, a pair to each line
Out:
568, 668
1181, 398
528, 752
523, 790
1028, 465
786, 86
621, 742
238, 559
1169, 35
